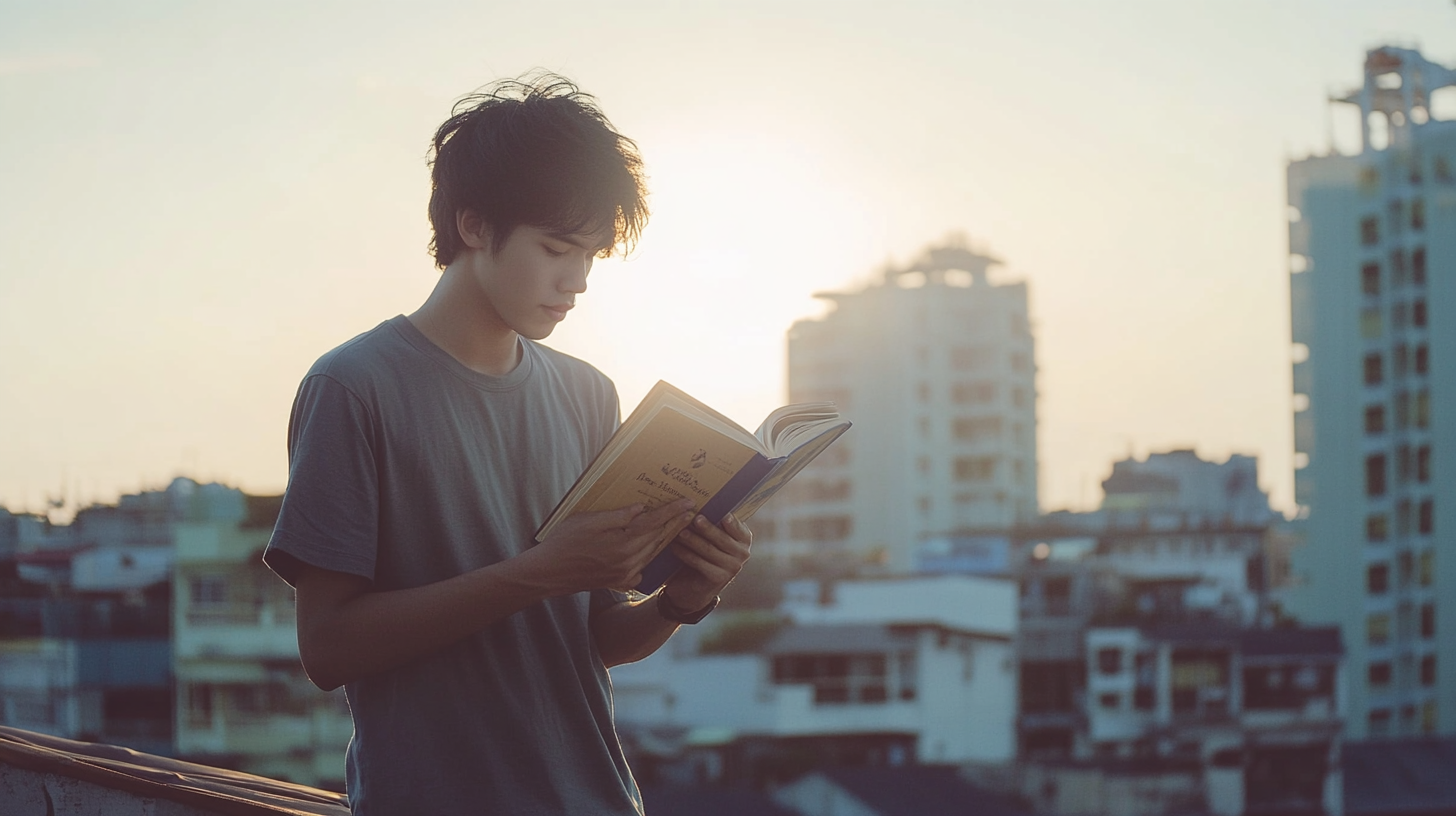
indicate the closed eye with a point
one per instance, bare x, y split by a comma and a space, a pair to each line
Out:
552, 251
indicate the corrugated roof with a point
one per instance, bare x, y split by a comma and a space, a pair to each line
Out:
836, 639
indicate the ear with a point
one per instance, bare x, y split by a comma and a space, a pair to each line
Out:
474, 231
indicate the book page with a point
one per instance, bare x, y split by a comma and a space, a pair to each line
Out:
673, 457
787, 470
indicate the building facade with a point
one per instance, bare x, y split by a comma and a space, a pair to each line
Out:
935, 365
893, 671
1373, 292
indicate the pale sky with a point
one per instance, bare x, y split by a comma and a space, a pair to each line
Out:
199, 199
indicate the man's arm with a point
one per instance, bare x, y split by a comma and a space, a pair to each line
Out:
346, 631
711, 556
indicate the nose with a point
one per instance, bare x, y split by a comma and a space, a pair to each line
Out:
575, 282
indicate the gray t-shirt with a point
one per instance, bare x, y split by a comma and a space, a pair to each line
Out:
408, 468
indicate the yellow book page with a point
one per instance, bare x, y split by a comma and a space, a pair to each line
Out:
674, 457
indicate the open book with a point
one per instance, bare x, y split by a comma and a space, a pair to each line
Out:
673, 447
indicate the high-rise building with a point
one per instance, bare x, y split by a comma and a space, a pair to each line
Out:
1373, 290
934, 364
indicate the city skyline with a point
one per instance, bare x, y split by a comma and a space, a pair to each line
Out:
188, 223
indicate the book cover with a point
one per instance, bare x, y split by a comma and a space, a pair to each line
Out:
673, 446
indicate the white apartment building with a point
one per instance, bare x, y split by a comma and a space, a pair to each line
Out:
934, 363
925, 663
1373, 290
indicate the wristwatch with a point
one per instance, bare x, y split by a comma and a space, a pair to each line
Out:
666, 609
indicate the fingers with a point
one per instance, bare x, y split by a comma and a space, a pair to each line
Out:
665, 515
715, 547
738, 529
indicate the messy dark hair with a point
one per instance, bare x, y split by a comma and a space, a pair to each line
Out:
534, 151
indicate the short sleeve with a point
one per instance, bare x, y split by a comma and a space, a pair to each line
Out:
330, 512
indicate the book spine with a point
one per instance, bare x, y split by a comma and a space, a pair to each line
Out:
722, 503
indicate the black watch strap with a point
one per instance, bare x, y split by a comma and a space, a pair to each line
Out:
666, 609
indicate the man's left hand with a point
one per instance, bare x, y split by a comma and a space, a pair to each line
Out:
712, 556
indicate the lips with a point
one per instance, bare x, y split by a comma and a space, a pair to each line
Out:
559, 310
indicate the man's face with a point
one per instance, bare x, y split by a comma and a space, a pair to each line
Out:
532, 281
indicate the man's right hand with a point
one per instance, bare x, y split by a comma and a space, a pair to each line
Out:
610, 548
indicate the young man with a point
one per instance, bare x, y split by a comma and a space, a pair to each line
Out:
424, 454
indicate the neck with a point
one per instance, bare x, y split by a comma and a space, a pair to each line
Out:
459, 320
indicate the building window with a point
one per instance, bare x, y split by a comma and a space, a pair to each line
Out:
1370, 230
1422, 410
969, 358
922, 392
1403, 464
820, 528
1379, 674
1418, 266
1402, 410
199, 705
1370, 279
1370, 325
1426, 517
923, 504
1110, 701
1428, 620
1428, 717
1375, 475
1373, 369
806, 491
1377, 579
1379, 722
1441, 168
1418, 214
208, 589
838, 678
1404, 514
1405, 568
1377, 528
1428, 670
1109, 660
972, 393
1423, 360
1397, 268
1423, 463
1418, 313
1427, 572
967, 429
1397, 361
1019, 362
1375, 419
1018, 397
1377, 629
1369, 180
975, 468
1397, 316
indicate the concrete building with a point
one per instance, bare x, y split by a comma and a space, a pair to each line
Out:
1372, 244
877, 672
242, 700
935, 365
